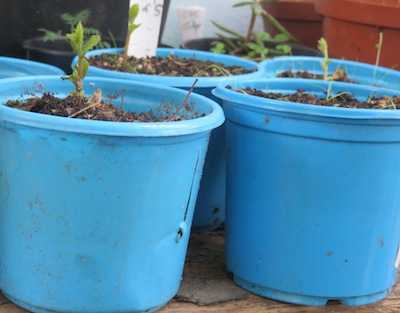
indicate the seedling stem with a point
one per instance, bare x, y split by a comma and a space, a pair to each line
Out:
80, 47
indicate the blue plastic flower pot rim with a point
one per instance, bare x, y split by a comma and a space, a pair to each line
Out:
359, 72
286, 86
13, 67
315, 59
178, 81
14, 87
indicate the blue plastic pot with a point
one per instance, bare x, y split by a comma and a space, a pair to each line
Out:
95, 216
361, 73
13, 67
210, 208
312, 208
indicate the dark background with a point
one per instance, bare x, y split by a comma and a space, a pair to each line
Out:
20, 19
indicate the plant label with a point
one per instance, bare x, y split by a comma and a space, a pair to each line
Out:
191, 20
144, 39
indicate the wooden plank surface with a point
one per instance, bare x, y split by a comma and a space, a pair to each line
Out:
205, 262
207, 288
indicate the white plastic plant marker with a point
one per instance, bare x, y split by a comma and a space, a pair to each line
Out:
144, 39
191, 21
397, 262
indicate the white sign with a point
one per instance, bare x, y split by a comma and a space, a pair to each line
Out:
191, 19
397, 262
144, 39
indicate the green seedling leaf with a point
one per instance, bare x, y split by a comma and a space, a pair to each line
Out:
80, 47
50, 35
73, 20
228, 31
73, 42
218, 47
240, 45
88, 31
132, 15
257, 9
85, 67
73, 76
281, 38
323, 47
224, 71
132, 27
257, 52
240, 4
228, 42
78, 37
286, 49
262, 36
253, 46
91, 43
274, 22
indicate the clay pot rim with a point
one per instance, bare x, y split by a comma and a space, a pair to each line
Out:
370, 12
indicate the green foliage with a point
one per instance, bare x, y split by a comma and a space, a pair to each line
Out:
219, 47
50, 35
132, 15
378, 49
323, 48
14, 103
72, 21
286, 49
80, 46
253, 45
221, 69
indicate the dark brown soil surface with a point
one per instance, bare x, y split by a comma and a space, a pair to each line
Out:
92, 108
169, 66
339, 75
343, 100
95, 108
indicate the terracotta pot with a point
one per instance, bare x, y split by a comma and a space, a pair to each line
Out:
299, 18
354, 36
